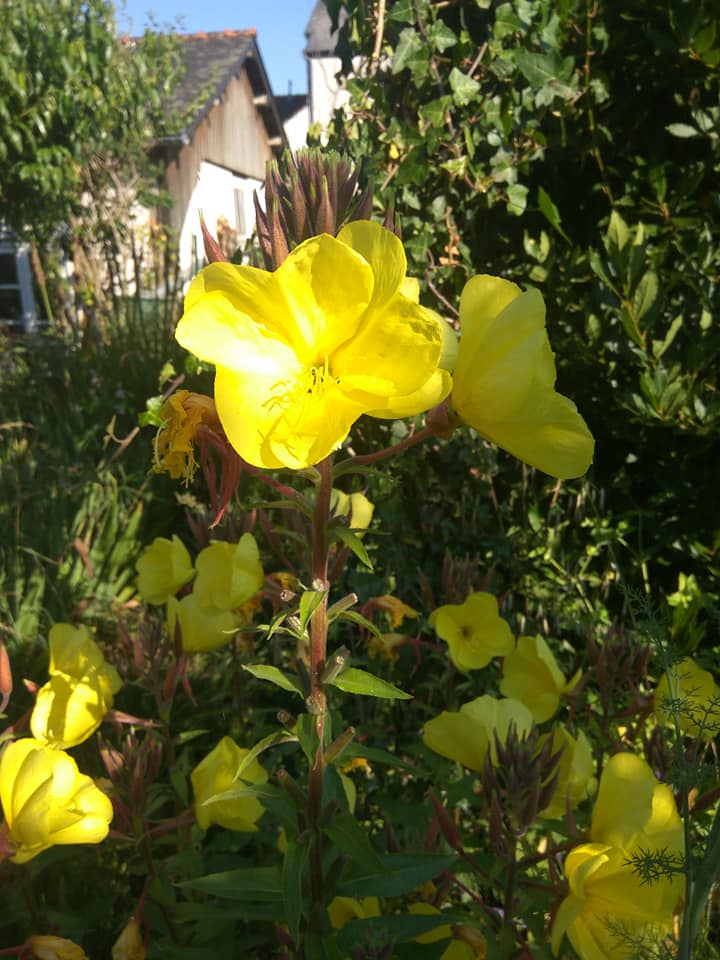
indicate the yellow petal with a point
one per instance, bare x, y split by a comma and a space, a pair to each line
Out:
504, 380
384, 253
429, 395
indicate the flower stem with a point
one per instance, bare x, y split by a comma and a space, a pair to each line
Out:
318, 654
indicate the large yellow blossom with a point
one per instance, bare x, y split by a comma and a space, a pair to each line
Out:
609, 912
302, 352
47, 801
504, 380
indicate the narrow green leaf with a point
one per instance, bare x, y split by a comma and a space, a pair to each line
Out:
401, 873
359, 681
351, 540
309, 602
274, 675
646, 295
279, 736
550, 212
682, 130
293, 873
263, 884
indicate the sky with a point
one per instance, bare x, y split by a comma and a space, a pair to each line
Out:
280, 26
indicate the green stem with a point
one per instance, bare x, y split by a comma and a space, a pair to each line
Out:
318, 653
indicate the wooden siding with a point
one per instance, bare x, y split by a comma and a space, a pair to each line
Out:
231, 135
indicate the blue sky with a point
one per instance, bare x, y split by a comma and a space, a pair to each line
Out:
280, 26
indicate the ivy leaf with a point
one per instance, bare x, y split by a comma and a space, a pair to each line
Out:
464, 88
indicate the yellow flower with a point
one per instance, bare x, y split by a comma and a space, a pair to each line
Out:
201, 628
163, 568
304, 351
355, 506
576, 780
633, 810
55, 948
609, 913
47, 801
216, 774
531, 674
395, 608
466, 735
182, 413
474, 631
504, 380
228, 574
71, 706
387, 645
129, 945
698, 699
344, 909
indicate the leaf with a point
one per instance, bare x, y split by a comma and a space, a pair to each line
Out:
682, 130
401, 873
618, 235
410, 52
349, 837
517, 199
309, 602
279, 736
293, 873
355, 749
646, 295
367, 685
263, 884
354, 543
274, 675
550, 212
464, 88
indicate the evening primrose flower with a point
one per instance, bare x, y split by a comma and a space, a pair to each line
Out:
504, 380
610, 913
201, 628
344, 909
228, 574
697, 697
474, 631
576, 780
181, 415
219, 773
466, 735
531, 674
129, 945
302, 352
47, 801
55, 948
163, 568
71, 706
355, 506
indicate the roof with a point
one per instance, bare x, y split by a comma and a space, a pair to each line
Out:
211, 60
290, 104
321, 40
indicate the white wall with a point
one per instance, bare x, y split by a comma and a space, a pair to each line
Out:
215, 195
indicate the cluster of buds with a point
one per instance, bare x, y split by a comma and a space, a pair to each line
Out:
620, 669
132, 770
519, 782
305, 195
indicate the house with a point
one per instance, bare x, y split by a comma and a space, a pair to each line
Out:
326, 93
216, 161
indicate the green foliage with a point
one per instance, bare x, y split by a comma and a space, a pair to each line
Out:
574, 147
70, 94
